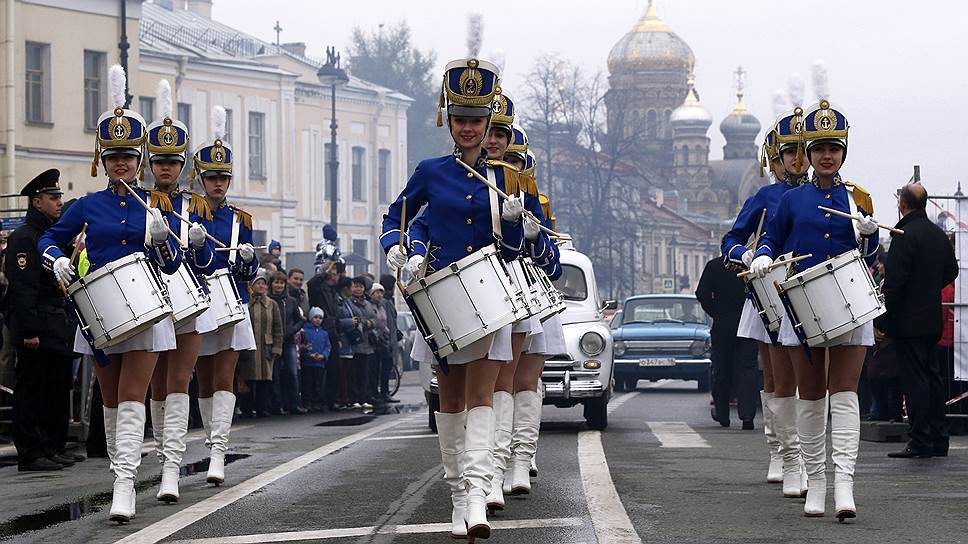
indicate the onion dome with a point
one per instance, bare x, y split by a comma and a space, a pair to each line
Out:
650, 45
691, 113
740, 125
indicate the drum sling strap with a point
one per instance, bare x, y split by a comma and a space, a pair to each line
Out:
236, 228
494, 206
183, 231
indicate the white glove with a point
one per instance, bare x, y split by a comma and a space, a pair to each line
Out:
531, 229
396, 258
158, 227
414, 264
63, 270
196, 235
247, 252
513, 208
747, 258
866, 225
760, 266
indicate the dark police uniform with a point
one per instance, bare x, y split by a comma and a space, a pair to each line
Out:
36, 308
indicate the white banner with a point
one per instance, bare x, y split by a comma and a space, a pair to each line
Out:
961, 292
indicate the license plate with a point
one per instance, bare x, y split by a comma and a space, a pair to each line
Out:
657, 362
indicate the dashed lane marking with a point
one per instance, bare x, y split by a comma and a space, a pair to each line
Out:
619, 401
611, 521
422, 528
176, 522
676, 434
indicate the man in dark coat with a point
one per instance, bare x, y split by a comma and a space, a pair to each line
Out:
722, 296
41, 335
919, 264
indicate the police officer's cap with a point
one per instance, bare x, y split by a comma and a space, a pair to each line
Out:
45, 183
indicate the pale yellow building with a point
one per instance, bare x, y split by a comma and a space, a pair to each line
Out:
278, 114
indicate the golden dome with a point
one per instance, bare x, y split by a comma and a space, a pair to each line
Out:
651, 44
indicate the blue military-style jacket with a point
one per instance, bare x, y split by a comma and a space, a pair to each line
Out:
799, 226
116, 228
458, 213
233, 226
767, 198
193, 207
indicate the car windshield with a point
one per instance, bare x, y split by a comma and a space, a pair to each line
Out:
616, 320
572, 283
663, 310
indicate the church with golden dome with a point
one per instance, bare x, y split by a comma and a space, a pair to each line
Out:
654, 104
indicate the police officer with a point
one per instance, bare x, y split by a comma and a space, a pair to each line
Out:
41, 335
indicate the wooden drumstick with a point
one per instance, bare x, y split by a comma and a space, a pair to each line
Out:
777, 264
759, 230
147, 207
74, 254
223, 248
504, 195
857, 218
207, 235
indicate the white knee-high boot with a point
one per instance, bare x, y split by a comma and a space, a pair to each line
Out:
223, 408
477, 469
450, 436
128, 439
205, 410
844, 443
812, 427
176, 427
784, 411
110, 434
524, 439
158, 426
503, 414
774, 474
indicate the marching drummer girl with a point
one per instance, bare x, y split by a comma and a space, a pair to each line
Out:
799, 226
219, 351
117, 226
460, 221
167, 144
783, 154
547, 340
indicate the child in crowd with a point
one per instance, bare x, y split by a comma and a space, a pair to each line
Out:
314, 349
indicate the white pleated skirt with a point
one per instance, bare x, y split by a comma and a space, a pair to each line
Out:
551, 339
495, 346
160, 337
528, 325
202, 324
861, 336
751, 325
236, 338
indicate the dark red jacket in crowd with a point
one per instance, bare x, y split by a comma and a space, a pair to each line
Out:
947, 317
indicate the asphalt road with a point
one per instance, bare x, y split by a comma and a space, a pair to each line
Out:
661, 472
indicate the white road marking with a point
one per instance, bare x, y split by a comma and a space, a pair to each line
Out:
176, 522
422, 528
619, 401
676, 434
402, 437
611, 521
658, 384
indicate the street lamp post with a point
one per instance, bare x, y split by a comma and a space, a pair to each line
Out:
332, 75
674, 243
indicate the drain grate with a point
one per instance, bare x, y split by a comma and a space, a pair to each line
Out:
347, 422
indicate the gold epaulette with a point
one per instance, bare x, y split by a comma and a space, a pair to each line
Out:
862, 197
161, 201
199, 206
531, 185
244, 217
512, 176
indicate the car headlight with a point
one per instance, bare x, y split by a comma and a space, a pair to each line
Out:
592, 343
700, 347
619, 348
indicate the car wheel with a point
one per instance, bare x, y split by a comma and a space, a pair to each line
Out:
433, 406
596, 413
703, 383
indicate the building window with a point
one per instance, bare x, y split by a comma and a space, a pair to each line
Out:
651, 124
328, 176
668, 124
359, 249
257, 149
384, 175
95, 67
358, 154
37, 83
228, 126
146, 104
184, 115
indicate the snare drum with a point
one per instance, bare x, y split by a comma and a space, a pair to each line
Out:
225, 302
119, 300
526, 302
188, 297
832, 298
766, 298
464, 302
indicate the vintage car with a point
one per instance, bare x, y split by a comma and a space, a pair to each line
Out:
661, 337
583, 375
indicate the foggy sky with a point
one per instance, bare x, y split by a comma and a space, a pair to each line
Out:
897, 69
